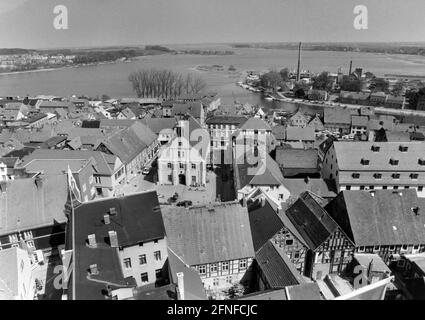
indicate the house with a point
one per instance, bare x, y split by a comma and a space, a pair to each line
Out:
304, 291
265, 176
221, 262
221, 130
327, 248
252, 134
135, 146
375, 165
337, 120
55, 106
34, 209
16, 280
385, 222
274, 270
316, 123
108, 170
120, 244
162, 127
211, 101
182, 161
279, 133
317, 95
410, 273
361, 98
7, 168
300, 136
195, 109
297, 163
396, 102
377, 98
299, 119
359, 125
126, 113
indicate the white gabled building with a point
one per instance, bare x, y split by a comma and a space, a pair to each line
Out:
376, 165
182, 161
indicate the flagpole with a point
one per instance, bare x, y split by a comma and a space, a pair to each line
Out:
73, 237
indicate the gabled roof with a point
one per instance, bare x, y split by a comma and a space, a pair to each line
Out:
276, 267
297, 158
235, 120
255, 124
159, 124
385, 217
337, 116
28, 205
265, 223
279, 132
209, 234
321, 187
313, 223
298, 133
190, 108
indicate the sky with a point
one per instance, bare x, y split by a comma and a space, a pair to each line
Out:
29, 23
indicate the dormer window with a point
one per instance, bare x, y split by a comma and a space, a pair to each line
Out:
393, 162
414, 176
364, 162
421, 161
375, 148
356, 175
403, 148
396, 175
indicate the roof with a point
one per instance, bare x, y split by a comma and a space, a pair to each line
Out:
255, 124
235, 120
159, 124
191, 108
104, 163
138, 220
382, 218
313, 223
9, 274
193, 286
321, 187
56, 166
359, 121
10, 162
279, 132
297, 158
127, 143
209, 234
298, 133
350, 154
418, 259
276, 267
337, 116
378, 265
265, 223
26, 205
279, 294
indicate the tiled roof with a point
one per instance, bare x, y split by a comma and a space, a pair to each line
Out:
276, 267
265, 223
255, 124
359, 121
297, 158
236, 120
159, 124
312, 222
384, 218
27, 205
279, 132
304, 291
321, 187
337, 116
209, 234
298, 133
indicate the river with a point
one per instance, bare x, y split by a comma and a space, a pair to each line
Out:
112, 79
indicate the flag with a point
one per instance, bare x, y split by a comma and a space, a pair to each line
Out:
72, 184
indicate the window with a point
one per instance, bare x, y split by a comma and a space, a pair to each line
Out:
404, 247
296, 254
31, 244
225, 266
401, 263
157, 255
347, 187
403, 148
414, 176
371, 187
142, 259
364, 162
396, 175
384, 187
181, 165
375, 148
289, 242
361, 249
202, 269
377, 175
193, 166
169, 165
421, 162
420, 188
144, 277
229, 280
180, 144
242, 264
394, 162
127, 263
361, 187
376, 248
406, 187
193, 179
170, 177
395, 187
213, 267
356, 175
392, 248
216, 282
158, 274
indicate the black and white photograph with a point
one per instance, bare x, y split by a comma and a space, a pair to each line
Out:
226, 151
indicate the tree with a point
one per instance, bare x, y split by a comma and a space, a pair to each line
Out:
271, 79
350, 84
397, 89
413, 97
379, 85
284, 74
322, 82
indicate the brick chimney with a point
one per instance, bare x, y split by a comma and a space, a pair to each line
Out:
180, 284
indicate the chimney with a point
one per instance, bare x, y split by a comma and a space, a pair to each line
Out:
113, 211
92, 240
263, 201
180, 284
106, 219
93, 269
113, 239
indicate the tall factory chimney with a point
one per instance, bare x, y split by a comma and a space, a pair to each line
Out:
299, 62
